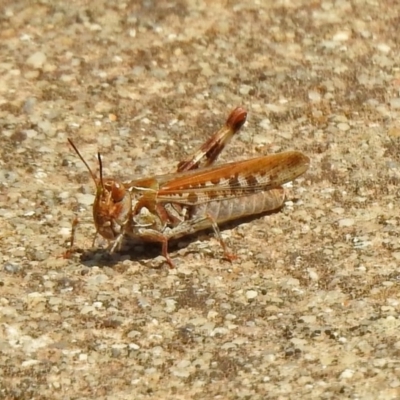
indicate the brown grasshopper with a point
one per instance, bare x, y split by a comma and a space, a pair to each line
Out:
196, 197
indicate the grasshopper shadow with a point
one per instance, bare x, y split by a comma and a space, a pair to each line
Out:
142, 252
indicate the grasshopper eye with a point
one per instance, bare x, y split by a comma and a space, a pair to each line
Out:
117, 192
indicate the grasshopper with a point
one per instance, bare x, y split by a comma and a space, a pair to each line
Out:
198, 196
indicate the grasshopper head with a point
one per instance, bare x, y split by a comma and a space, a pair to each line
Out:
112, 205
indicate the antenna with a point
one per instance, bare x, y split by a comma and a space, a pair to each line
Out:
101, 170
87, 165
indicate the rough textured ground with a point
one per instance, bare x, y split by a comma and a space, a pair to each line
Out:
311, 307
